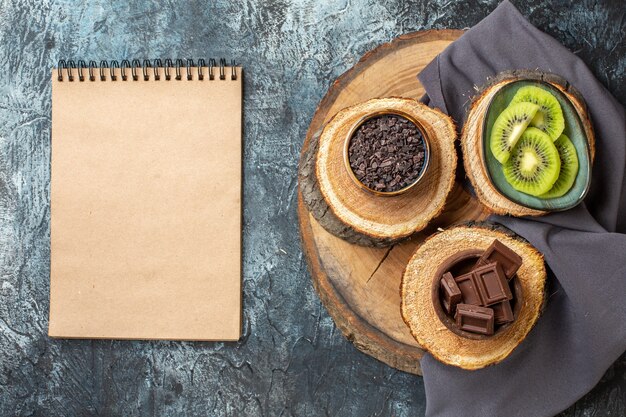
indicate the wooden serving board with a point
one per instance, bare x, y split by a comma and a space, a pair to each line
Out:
360, 286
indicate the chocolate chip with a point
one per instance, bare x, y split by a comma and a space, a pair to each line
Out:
386, 153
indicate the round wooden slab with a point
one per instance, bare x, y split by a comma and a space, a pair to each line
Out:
360, 286
418, 308
348, 211
474, 158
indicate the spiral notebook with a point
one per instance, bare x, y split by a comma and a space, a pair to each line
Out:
146, 200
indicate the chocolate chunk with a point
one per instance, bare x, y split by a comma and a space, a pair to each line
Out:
451, 292
381, 156
475, 319
507, 258
502, 312
491, 284
469, 292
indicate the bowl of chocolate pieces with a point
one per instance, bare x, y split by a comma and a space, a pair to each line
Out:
387, 153
472, 293
476, 293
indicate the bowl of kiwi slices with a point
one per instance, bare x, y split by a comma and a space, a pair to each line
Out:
528, 144
535, 147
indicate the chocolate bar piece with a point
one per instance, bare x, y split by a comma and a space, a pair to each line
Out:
451, 292
502, 254
474, 319
502, 312
469, 292
491, 284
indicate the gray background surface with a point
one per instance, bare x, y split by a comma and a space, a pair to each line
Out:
292, 360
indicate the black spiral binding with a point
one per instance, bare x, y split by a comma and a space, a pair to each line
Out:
70, 68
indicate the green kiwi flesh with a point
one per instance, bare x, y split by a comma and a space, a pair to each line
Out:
569, 168
549, 118
509, 127
534, 164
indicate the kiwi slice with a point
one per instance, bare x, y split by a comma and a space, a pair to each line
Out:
549, 118
508, 128
534, 165
569, 168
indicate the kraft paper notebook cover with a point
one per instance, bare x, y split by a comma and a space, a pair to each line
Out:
146, 201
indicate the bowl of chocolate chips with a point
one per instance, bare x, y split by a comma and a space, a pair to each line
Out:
387, 153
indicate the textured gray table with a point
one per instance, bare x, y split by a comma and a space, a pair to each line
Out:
291, 360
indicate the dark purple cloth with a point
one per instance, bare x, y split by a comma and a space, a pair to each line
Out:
583, 329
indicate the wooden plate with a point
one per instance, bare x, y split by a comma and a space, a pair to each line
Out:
421, 277
472, 137
573, 129
356, 215
360, 286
